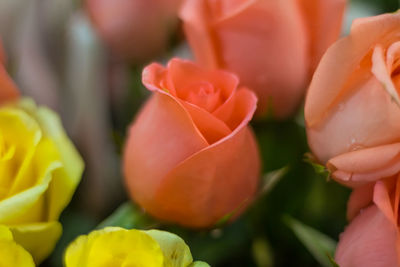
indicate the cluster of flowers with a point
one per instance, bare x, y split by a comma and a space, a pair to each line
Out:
40, 170
190, 157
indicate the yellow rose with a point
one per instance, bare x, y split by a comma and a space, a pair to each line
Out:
11, 253
39, 170
114, 246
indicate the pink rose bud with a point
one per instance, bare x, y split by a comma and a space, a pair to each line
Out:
136, 30
272, 45
190, 157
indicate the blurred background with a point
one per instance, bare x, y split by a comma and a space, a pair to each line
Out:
57, 55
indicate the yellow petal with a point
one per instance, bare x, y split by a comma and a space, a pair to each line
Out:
39, 238
114, 247
44, 155
66, 179
19, 204
20, 133
5, 233
76, 253
175, 250
12, 254
39, 172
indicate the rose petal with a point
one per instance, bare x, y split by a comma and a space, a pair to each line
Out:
176, 252
371, 240
324, 21
185, 73
347, 128
162, 136
382, 200
135, 30
366, 165
225, 9
397, 199
383, 74
19, 205
195, 14
239, 109
271, 27
228, 34
212, 128
15, 255
341, 60
214, 182
155, 77
65, 179
27, 235
392, 54
207, 169
360, 198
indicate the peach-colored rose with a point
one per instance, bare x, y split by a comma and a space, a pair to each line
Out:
353, 102
270, 44
352, 114
323, 23
372, 239
136, 30
190, 157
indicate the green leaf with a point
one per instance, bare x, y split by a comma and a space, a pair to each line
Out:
333, 262
227, 217
262, 253
318, 168
270, 179
321, 246
128, 216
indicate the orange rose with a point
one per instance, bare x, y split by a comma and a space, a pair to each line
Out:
8, 89
353, 103
352, 115
136, 30
190, 157
323, 23
269, 44
372, 239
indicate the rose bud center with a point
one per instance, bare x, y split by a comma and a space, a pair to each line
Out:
204, 95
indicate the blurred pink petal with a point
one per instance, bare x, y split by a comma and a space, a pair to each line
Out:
371, 240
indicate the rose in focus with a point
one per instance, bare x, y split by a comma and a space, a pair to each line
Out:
353, 102
190, 157
114, 246
352, 116
272, 45
136, 30
40, 170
